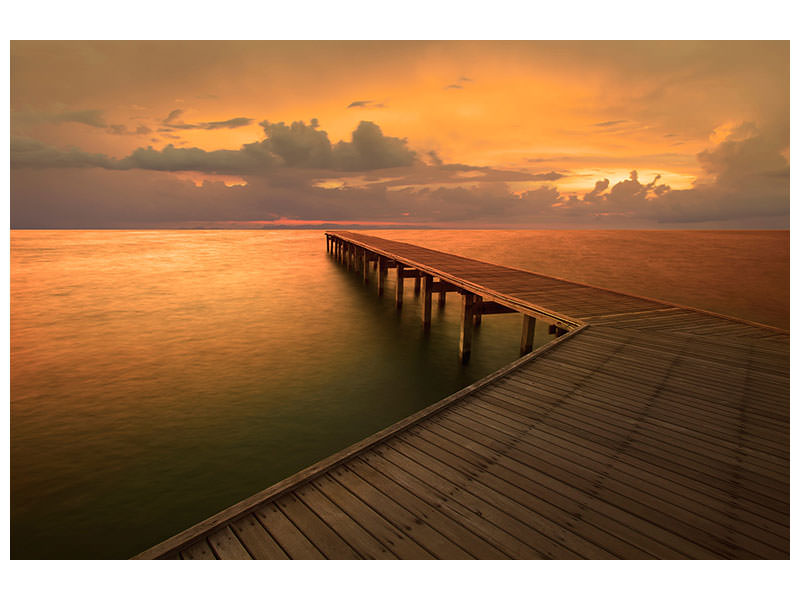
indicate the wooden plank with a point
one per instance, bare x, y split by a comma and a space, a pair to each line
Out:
595, 422
472, 544
707, 508
674, 518
351, 532
226, 546
256, 539
199, 551
651, 537
286, 533
587, 430
417, 529
539, 532
387, 533
587, 517
324, 539
675, 505
766, 519
473, 512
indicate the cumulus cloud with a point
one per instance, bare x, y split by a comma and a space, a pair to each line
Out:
296, 145
369, 149
251, 158
748, 176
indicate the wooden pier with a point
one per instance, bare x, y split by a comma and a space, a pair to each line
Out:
644, 429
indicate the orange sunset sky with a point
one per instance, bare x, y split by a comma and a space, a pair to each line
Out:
434, 134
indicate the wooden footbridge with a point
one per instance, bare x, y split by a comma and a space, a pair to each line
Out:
642, 430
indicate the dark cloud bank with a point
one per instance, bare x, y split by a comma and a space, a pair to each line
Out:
747, 184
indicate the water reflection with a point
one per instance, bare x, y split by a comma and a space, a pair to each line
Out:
158, 377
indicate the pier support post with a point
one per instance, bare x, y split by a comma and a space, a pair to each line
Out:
477, 311
398, 292
427, 284
442, 297
465, 339
416, 284
381, 274
365, 267
528, 327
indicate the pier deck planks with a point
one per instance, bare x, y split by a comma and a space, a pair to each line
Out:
650, 430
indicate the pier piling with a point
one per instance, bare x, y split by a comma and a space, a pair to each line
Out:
528, 328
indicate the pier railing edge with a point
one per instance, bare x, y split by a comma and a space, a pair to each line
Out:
221, 519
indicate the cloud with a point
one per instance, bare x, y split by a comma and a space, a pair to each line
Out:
229, 124
27, 152
297, 145
173, 115
455, 174
370, 149
610, 123
172, 123
746, 177
549, 176
252, 158
435, 160
459, 84
307, 146
123, 130
90, 117
365, 104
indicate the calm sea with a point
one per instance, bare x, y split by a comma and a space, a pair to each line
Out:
158, 377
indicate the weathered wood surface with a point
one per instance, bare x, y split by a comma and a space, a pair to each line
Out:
648, 431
